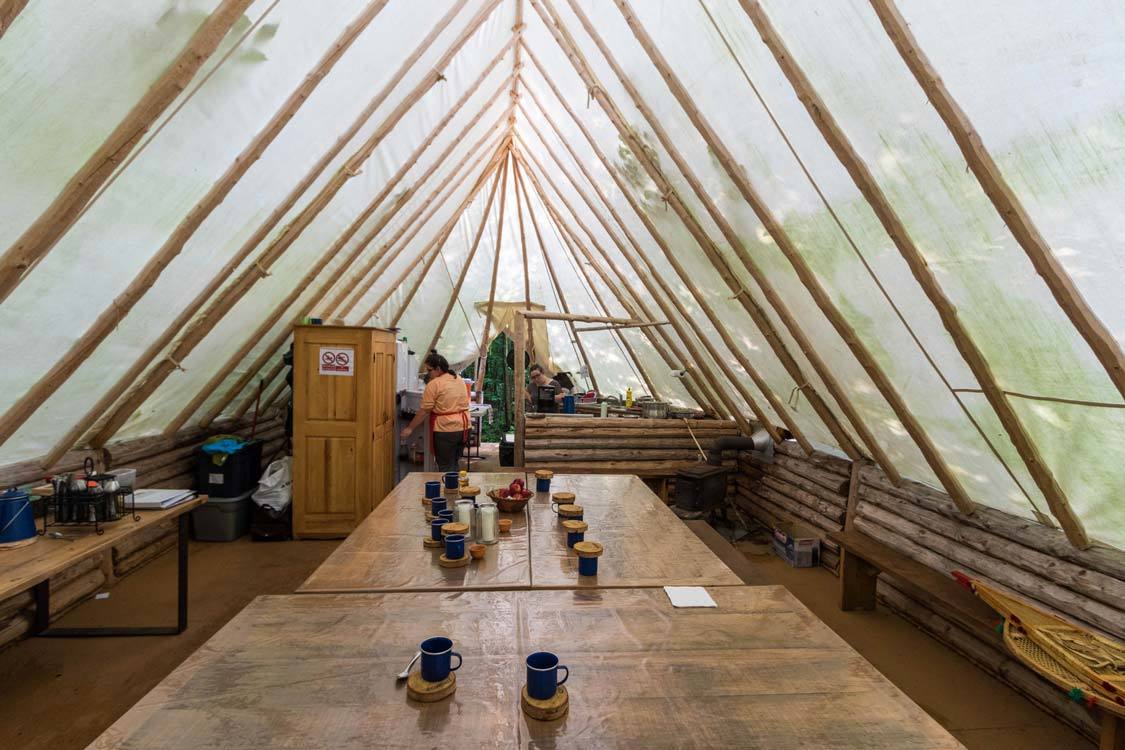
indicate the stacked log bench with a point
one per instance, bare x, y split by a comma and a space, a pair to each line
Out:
163, 462
909, 538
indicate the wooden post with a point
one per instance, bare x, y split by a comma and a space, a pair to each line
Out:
858, 579
263, 330
1101, 340
9, 9
521, 188
520, 388
108, 320
38, 239
699, 360
482, 357
853, 496
868, 186
187, 315
642, 258
804, 272
701, 377
757, 314
465, 267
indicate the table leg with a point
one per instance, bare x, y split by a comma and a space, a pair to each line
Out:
182, 574
857, 582
42, 592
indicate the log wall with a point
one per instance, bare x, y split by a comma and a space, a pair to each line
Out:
646, 447
160, 462
1020, 555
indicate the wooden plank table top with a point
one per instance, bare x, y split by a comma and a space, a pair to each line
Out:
24, 567
385, 551
758, 671
646, 544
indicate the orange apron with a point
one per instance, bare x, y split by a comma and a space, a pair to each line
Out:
433, 423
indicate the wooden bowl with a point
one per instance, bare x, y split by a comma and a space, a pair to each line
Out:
509, 504
505, 525
477, 551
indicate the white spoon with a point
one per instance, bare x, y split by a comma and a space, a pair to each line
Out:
406, 672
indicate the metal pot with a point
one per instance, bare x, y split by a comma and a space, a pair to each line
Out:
654, 410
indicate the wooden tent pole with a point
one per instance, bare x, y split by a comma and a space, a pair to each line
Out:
263, 329
154, 350
804, 271
868, 186
700, 363
756, 313
521, 188
9, 9
225, 300
402, 238
991, 178
215, 312
523, 244
348, 297
465, 266
269, 398
269, 377
520, 388
38, 239
482, 356
685, 278
704, 384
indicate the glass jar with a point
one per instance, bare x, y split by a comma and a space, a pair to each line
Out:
488, 523
463, 513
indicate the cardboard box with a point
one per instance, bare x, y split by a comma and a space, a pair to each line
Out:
797, 545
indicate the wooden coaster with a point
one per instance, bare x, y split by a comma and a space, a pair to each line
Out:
588, 549
469, 492
432, 543
562, 498
570, 511
445, 562
548, 710
575, 526
423, 691
545, 474
454, 528
426, 502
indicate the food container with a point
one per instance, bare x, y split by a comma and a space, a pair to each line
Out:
487, 527
509, 504
654, 410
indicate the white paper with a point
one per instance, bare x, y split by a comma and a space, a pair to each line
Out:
150, 499
689, 596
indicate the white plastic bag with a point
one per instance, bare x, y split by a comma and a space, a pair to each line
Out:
275, 488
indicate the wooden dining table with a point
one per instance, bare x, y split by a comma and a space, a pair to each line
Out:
318, 671
645, 544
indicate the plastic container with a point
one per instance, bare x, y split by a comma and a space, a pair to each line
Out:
238, 474
222, 519
17, 519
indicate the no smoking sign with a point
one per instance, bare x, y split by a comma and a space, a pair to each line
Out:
337, 362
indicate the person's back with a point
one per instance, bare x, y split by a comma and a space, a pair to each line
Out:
447, 398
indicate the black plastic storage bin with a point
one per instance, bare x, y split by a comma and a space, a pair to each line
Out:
236, 476
507, 453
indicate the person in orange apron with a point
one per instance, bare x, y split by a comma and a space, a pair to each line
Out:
445, 404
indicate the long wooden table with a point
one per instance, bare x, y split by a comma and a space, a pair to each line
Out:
32, 566
758, 671
645, 544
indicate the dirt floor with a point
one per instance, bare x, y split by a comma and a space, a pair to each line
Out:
60, 694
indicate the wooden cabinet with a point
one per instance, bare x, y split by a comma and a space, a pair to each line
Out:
343, 426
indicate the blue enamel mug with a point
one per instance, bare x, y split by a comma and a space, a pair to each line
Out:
437, 659
454, 546
446, 515
433, 489
543, 480
587, 566
435, 528
543, 675
452, 480
437, 505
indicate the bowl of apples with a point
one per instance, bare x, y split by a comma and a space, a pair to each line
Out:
513, 498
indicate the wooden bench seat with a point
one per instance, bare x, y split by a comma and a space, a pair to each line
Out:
862, 559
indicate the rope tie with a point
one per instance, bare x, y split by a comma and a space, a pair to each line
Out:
591, 92
351, 171
175, 364
518, 28
261, 271
795, 395
440, 76
741, 291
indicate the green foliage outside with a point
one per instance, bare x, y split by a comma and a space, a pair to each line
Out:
496, 371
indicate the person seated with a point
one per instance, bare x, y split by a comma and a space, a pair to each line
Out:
539, 380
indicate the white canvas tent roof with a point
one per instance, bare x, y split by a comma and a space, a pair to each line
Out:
889, 228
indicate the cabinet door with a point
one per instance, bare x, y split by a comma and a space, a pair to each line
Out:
331, 430
385, 441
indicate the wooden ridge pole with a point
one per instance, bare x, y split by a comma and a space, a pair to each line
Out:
154, 350
465, 266
706, 393
757, 314
9, 9
639, 254
443, 231
868, 186
202, 325
263, 330
700, 363
521, 188
482, 357
803, 270
38, 239
346, 289
1101, 340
